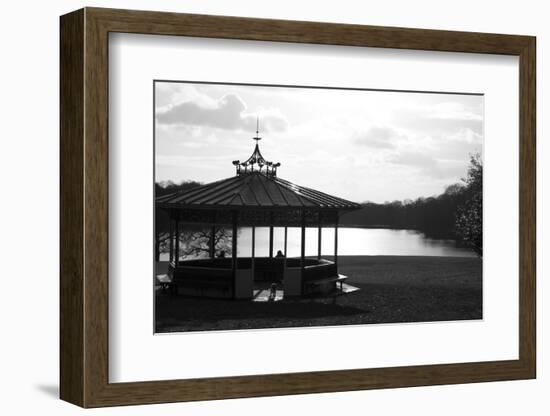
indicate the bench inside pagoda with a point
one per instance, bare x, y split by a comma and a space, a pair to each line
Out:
214, 277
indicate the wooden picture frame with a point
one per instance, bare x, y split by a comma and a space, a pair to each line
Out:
84, 207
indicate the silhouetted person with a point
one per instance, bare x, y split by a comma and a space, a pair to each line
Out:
221, 254
279, 254
272, 292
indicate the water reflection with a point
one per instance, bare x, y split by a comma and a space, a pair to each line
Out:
351, 241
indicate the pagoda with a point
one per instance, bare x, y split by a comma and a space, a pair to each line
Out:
254, 197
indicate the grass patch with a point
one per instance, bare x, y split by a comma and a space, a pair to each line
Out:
393, 289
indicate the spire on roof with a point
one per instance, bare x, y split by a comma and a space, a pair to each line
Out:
256, 162
257, 130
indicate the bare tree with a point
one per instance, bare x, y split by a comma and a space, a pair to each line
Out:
198, 243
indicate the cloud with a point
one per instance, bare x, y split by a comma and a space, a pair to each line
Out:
443, 118
457, 146
378, 137
272, 121
168, 93
430, 166
229, 113
415, 159
435, 125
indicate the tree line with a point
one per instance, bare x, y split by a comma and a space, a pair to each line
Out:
435, 216
455, 214
168, 187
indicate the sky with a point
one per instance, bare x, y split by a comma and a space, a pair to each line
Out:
360, 145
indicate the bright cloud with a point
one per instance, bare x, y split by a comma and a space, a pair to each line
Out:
381, 137
228, 112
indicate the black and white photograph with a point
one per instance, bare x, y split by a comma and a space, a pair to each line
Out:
282, 206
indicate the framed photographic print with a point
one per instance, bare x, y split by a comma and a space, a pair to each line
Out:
255, 207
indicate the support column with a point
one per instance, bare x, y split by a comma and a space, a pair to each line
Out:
171, 242
303, 242
234, 251
253, 259
271, 234
319, 234
286, 245
271, 241
213, 241
177, 253
336, 242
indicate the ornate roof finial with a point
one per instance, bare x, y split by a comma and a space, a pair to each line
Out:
257, 130
256, 162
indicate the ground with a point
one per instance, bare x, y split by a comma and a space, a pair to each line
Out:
392, 289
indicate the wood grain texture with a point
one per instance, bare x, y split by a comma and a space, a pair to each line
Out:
527, 207
71, 210
96, 209
84, 206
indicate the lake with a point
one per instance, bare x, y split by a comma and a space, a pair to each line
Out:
351, 241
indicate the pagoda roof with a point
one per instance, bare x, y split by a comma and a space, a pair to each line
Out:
254, 190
